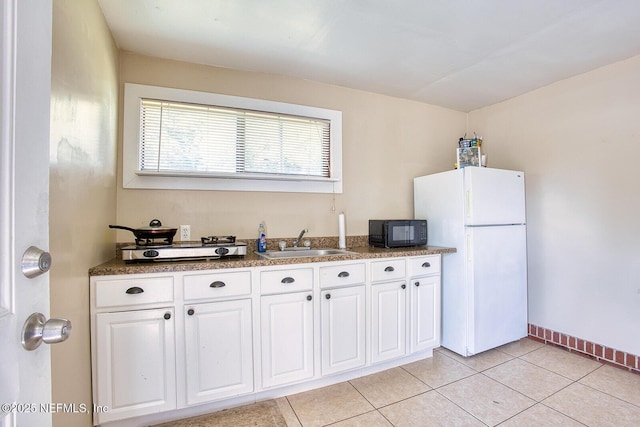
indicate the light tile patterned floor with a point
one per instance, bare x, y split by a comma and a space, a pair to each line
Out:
520, 384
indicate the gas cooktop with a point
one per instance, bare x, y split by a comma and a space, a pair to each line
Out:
211, 247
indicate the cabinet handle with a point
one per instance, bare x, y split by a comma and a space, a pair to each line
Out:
191, 311
134, 290
417, 283
217, 284
403, 286
167, 316
389, 268
288, 280
328, 296
343, 274
426, 265
309, 297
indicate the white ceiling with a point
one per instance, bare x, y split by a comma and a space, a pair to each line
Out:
460, 54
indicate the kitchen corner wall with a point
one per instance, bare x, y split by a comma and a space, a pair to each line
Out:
576, 140
84, 103
386, 142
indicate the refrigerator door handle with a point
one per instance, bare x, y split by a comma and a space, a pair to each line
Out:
468, 203
469, 252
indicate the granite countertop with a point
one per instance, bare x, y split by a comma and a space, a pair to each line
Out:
251, 259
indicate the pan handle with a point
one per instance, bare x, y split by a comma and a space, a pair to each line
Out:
123, 228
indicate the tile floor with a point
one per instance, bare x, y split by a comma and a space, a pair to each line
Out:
520, 384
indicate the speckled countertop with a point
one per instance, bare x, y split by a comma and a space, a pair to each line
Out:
357, 245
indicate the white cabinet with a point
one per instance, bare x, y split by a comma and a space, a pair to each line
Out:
168, 341
388, 309
286, 281
133, 293
206, 286
388, 321
286, 321
425, 326
218, 335
133, 345
218, 349
287, 338
424, 302
135, 362
342, 313
388, 269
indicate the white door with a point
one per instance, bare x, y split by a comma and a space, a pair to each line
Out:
497, 269
135, 353
425, 313
219, 350
388, 321
494, 196
25, 77
343, 329
287, 338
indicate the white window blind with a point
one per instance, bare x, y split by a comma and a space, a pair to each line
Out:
192, 140
180, 138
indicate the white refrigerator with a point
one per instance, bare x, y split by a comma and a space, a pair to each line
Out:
480, 212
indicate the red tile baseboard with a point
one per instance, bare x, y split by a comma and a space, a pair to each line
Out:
621, 359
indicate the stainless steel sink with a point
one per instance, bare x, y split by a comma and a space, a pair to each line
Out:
304, 253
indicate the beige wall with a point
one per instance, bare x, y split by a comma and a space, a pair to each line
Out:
84, 102
577, 140
386, 142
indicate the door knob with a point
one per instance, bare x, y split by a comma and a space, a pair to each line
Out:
35, 262
37, 330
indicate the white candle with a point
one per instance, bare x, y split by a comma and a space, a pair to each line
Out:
342, 240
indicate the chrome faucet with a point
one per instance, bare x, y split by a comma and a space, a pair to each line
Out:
295, 242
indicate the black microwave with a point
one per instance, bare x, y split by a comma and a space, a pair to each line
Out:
395, 233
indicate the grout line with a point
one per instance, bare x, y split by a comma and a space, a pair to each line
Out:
554, 372
604, 392
461, 408
294, 411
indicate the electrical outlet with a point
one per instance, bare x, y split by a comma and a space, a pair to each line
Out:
185, 232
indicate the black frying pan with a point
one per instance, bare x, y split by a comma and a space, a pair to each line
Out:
155, 230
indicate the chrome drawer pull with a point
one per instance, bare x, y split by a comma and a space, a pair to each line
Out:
390, 268
135, 290
426, 265
217, 284
343, 274
288, 280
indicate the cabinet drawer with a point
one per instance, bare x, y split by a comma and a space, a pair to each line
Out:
390, 269
148, 290
217, 285
340, 275
423, 266
290, 280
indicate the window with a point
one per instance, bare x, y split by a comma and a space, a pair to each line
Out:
179, 139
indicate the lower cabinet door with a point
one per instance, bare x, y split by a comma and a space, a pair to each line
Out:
343, 329
135, 357
388, 321
219, 350
287, 338
425, 313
